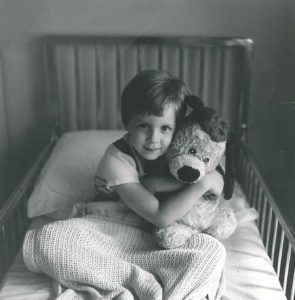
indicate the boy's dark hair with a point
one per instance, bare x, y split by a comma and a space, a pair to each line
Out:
149, 92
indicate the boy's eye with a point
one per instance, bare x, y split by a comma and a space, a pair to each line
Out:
166, 128
142, 126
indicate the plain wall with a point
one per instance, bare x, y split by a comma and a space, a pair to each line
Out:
270, 23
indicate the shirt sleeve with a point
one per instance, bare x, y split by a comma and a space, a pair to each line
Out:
116, 168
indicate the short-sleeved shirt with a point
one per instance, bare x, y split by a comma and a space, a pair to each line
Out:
121, 164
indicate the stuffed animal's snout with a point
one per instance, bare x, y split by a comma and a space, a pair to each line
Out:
186, 168
188, 174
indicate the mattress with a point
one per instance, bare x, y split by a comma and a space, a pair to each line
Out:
67, 178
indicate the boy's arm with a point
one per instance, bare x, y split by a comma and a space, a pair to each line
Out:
160, 184
173, 207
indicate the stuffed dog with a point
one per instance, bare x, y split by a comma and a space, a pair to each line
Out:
198, 147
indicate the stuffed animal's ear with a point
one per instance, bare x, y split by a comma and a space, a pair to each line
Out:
229, 176
194, 102
217, 128
201, 113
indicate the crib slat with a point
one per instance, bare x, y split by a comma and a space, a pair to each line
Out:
171, 59
128, 53
278, 270
247, 178
193, 68
150, 56
274, 239
243, 179
213, 67
254, 190
288, 278
66, 76
108, 87
269, 226
263, 214
251, 190
86, 87
288, 259
266, 222
257, 205
99, 87
118, 85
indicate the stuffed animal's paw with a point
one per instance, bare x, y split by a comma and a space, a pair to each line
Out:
224, 223
173, 236
201, 215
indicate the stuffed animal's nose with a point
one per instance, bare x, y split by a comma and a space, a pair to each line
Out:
188, 174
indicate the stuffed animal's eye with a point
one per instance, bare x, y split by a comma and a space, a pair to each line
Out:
192, 151
206, 159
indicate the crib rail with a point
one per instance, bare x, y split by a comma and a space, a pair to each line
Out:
278, 237
13, 215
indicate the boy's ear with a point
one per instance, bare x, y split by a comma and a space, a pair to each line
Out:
229, 177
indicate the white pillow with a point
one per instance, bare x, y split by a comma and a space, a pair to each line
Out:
67, 176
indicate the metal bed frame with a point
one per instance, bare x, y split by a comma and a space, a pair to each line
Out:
277, 235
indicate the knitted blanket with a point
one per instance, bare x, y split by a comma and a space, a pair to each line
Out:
95, 257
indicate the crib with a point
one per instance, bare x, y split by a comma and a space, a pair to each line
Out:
85, 76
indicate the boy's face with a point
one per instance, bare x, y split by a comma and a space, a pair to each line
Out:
151, 135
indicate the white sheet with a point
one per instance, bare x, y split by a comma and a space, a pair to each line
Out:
249, 272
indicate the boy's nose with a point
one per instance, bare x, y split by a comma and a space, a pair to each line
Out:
154, 136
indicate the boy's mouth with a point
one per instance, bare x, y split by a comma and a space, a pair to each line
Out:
151, 148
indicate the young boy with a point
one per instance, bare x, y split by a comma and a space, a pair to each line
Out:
134, 169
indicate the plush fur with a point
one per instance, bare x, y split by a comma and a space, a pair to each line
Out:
198, 147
